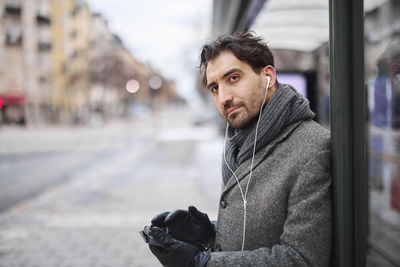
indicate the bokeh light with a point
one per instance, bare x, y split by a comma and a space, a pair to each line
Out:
155, 82
132, 86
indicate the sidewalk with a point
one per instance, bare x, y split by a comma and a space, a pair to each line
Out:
94, 218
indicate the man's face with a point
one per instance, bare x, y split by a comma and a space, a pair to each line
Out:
238, 91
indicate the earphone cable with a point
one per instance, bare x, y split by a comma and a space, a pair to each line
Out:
244, 196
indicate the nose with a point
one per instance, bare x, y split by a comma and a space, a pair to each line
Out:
224, 96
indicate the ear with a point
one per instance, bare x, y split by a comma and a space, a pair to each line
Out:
270, 72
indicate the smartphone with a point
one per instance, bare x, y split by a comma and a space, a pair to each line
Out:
145, 233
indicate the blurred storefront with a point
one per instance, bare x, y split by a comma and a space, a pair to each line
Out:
12, 109
382, 74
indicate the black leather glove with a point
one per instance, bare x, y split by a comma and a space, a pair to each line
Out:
190, 226
172, 252
158, 220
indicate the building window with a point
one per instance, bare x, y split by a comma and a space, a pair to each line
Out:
13, 7
14, 3
14, 36
43, 12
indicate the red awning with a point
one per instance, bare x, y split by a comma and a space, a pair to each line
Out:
12, 99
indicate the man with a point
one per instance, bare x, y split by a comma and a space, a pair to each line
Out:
275, 206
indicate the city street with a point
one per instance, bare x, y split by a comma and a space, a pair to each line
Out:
79, 196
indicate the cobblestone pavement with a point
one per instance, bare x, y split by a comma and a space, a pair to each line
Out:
93, 219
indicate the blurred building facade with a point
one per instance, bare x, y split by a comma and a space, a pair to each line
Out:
62, 64
112, 66
11, 50
71, 74
62, 104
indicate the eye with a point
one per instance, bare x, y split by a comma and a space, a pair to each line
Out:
234, 78
214, 89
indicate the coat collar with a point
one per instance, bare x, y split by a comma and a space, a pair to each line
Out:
244, 169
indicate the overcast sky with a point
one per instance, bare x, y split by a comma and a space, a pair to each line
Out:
165, 34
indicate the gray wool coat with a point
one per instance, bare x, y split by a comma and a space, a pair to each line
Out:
289, 215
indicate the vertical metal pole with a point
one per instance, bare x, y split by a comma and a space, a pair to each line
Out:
348, 131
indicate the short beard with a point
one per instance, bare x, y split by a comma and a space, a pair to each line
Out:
245, 124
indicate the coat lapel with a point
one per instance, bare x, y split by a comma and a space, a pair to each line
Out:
244, 169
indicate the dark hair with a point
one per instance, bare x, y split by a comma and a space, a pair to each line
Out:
245, 46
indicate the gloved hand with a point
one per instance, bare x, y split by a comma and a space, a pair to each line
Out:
173, 252
190, 226
158, 220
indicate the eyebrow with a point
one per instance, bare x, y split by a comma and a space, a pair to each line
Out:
229, 72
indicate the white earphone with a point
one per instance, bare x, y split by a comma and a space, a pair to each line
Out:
244, 195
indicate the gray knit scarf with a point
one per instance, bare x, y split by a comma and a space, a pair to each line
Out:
287, 106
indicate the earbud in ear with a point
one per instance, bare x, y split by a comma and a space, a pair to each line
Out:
268, 80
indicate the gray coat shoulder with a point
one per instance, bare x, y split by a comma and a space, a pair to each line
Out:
309, 137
